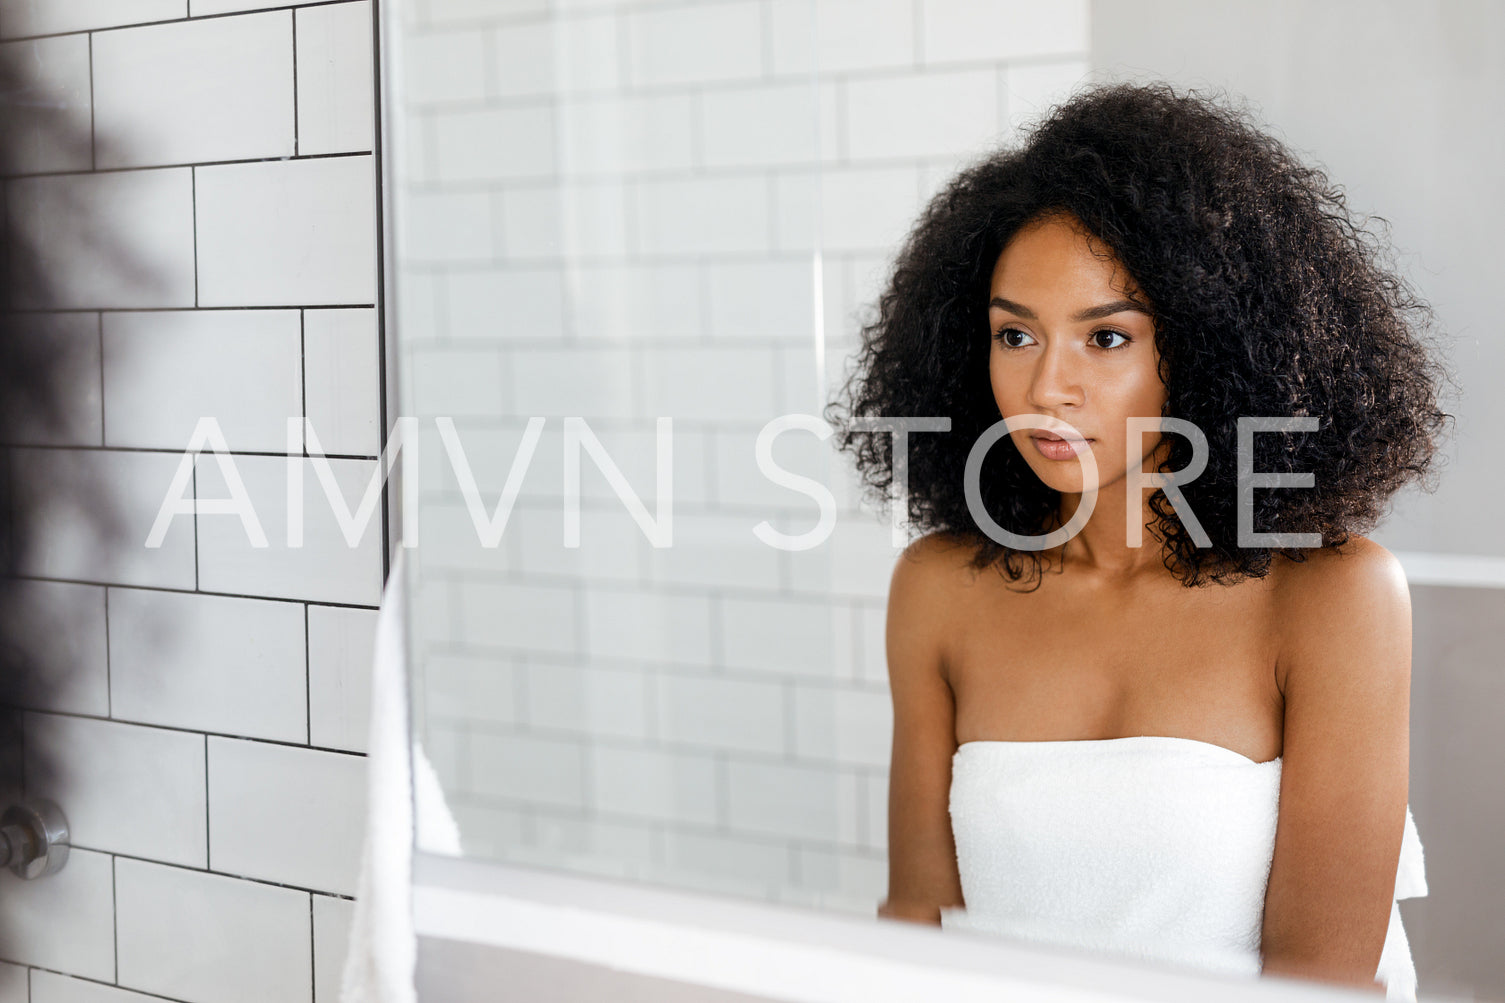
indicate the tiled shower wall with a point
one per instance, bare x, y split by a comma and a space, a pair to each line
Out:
714, 715
213, 242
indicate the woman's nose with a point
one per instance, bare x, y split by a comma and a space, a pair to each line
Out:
1055, 380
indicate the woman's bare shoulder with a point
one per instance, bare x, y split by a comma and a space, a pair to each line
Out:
924, 594
1360, 582
1340, 574
943, 550
939, 559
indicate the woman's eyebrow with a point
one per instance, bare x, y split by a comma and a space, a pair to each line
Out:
1091, 313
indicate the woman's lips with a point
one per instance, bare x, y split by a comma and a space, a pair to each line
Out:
1054, 447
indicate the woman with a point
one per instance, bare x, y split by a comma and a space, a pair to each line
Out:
1193, 750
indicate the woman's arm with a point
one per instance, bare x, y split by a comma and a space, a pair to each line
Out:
1345, 671
922, 871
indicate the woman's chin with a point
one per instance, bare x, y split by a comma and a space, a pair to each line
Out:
1065, 481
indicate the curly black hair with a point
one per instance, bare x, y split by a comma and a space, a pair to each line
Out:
1268, 300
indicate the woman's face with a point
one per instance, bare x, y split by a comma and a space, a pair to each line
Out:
1069, 343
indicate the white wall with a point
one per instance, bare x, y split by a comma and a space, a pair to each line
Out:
614, 212
215, 715
1389, 102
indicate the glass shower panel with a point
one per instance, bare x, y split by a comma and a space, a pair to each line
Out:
610, 284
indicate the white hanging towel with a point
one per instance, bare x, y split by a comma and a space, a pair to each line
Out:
383, 948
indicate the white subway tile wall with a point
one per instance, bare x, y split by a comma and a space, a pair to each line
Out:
331, 938
68, 922
77, 334
270, 798
218, 663
341, 351
164, 369
336, 60
191, 92
196, 935
113, 240
13, 981
66, 644
341, 646
69, 546
211, 240
134, 791
285, 232
47, 17
612, 210
57, 69
340, 558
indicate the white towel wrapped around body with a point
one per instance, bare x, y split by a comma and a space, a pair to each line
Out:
1147, 846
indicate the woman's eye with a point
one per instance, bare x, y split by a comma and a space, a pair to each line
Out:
1111, 334
1003, 337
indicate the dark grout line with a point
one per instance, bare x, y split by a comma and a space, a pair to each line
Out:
308, 697
197, 592
33, 968
115, 916
178, 451
193, 191
193, 474
293, 17
192, 309
93, 138
313, 953
109, 682
175, 20
303, 376
99, 319
208, 843
204, 870
378, 165
136, 169
197, 733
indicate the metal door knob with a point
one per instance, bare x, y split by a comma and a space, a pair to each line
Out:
33, 839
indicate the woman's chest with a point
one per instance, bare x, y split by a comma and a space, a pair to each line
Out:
1070, 662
